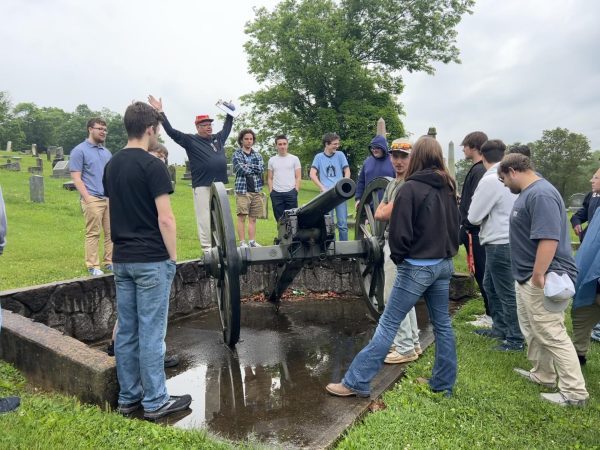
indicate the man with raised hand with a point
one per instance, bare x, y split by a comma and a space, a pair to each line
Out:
144, 233
208, 162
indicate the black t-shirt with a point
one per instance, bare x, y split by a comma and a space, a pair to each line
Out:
132, 180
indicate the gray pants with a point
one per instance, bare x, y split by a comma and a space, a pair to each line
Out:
407, 336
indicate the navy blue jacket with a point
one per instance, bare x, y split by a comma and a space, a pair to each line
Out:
375, 167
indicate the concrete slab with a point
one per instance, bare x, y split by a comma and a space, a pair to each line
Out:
271, 388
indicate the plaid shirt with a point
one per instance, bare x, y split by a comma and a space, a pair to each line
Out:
247, 165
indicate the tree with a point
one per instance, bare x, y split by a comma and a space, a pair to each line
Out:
335, 66
561, 157
462, 169
9, 128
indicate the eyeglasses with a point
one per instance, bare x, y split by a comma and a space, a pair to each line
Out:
100, 129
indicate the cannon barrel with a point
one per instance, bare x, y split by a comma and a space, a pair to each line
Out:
311, 214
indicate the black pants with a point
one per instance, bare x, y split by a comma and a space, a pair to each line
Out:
282, 201
479, 259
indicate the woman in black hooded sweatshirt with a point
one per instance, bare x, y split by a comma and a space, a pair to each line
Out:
423, 239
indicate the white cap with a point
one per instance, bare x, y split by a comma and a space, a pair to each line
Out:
558, 290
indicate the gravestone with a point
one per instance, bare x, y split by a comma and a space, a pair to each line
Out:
265, 206
39, 162
61, 170
51, 152
60, 154
11, 166
69, 186
188, 173
432, 132
576, 201
451, 161
9, 146
55, 161
36, 188
34, 149
35, 170
381, 127
229, 170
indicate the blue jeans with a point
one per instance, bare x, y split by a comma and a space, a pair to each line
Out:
142, 306
341, 219
412, 282
499, 285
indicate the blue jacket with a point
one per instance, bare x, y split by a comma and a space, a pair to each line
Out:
588, 263
375, 167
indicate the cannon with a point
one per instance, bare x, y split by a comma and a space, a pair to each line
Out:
306, 235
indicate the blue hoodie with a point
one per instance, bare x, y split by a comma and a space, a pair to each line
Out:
588, 263
375, 167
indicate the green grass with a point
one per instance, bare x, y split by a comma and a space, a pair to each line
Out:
45, 240
492, 407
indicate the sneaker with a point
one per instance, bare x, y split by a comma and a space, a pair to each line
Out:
339, 390
127, 408
398, 358
8, 404
595, 336
171, 361
111, 348
254, 244
243, 244
559, 398
174, 404
534, 379
487, 332
418, 350
93, 271
506, 347
482, 321
109, 267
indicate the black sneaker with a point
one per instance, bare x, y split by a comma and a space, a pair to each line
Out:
111, 348
128, 408
8, 404
174, 404
171, 361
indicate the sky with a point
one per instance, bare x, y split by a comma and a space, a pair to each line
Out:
527, 66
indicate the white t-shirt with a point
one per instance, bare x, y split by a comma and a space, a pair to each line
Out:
284, 172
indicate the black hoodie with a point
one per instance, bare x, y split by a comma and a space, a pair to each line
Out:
425, 220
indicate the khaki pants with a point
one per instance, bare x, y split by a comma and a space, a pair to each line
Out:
549, 347
584, 319
96, 215
202, 208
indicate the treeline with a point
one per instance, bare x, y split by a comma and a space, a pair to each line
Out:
562, 157
27, 123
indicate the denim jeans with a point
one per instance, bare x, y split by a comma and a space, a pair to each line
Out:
407, 336
412, 282
142, 306
341, 220
499, 285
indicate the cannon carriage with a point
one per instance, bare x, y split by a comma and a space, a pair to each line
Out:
306, 235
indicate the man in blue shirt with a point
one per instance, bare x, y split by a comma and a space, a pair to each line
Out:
86, 164
328, 167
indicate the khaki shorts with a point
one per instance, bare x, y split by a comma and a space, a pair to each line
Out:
249, 204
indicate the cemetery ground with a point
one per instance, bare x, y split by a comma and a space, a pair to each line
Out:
492, 407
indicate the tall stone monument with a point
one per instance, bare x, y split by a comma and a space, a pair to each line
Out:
36, 188
9, 146
381, 127
451, 162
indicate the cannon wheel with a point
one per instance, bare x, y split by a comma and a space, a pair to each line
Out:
371, 231
228, 282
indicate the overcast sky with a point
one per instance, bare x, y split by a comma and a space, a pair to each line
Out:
526, 66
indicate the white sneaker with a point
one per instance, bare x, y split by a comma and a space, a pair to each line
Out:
95, 272
253, 243
243, 244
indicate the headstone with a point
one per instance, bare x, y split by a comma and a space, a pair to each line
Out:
432, 132
61, 170
9, 146
381, 127
60, 154
451, 162
36, 188
69, 186
34, 149
173, 173
55, 161
188, 173
576, 201
39, 163
265, 206
11, 166
229, 170
35, 170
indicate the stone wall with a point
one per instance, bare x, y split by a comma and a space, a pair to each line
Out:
84, 308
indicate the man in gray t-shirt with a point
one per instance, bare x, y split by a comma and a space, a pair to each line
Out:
540, 244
